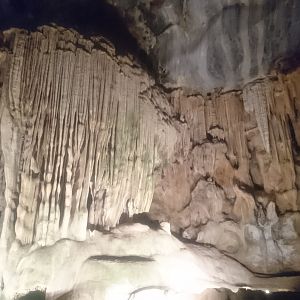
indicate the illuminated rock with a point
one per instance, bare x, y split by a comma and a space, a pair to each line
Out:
88, 140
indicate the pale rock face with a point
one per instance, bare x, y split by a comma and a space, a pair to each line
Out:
78, 127
127, 264
82, 134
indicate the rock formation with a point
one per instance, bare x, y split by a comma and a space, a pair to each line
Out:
239, 186
125, 264
215, 44
90, 143
78, 126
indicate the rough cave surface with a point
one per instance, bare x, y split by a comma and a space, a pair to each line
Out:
118, 183
232, 41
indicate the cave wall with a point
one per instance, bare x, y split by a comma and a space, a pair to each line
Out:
236, 186
88, 137
82, 133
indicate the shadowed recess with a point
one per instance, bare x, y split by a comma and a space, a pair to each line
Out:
34, 295
88, 17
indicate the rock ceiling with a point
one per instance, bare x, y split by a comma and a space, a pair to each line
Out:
200, 141
233, 41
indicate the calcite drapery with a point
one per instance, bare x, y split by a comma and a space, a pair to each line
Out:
79, 126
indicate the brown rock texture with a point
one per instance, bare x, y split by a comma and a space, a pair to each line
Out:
241, 166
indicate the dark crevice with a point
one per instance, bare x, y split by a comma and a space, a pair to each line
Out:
34, 295
145, 219
90, 200
121, 259
288, 64
245, 187
164, 29
295, 145
164, 289
261, 295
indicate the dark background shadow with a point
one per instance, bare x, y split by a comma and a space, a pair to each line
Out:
88, 17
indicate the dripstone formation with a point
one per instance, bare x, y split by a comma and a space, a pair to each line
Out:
90, 142
237, 186
80, 136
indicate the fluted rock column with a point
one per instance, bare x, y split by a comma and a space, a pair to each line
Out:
81, 135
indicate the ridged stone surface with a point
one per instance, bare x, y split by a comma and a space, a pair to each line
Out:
81, 135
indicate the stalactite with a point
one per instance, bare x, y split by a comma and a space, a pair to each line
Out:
255, 96
85, 131
249, 147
